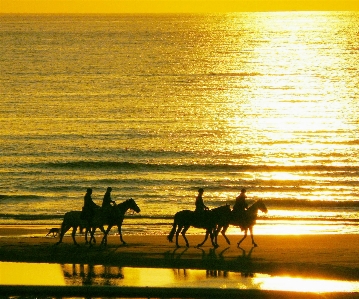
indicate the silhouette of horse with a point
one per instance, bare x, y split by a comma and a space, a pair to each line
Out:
245, 224
113, 216
183, 220
73, 220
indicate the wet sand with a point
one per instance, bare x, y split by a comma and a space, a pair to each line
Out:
310, 256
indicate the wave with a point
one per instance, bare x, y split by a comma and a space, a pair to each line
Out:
106, 165
300, 203
30, 216
168, 219
21, 197
234, 74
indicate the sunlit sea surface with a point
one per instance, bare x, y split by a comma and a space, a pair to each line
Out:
156, 106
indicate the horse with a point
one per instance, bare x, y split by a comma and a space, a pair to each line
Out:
113, 216
73, 220
184, 219
244, 224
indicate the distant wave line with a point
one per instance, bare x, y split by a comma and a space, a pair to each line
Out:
98, 165
21, 197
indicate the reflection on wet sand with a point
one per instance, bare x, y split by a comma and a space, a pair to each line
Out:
78, 274
210, 278
191, 278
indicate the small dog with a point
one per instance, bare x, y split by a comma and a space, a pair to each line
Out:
54, 231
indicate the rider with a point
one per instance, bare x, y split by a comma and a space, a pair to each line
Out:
88, 210
240, 206
107, 201
200, 206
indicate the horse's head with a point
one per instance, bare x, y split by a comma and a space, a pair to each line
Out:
262, 206
133, 206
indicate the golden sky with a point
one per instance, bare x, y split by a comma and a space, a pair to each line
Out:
164, 6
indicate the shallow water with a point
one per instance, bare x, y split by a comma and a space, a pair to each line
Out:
97, 275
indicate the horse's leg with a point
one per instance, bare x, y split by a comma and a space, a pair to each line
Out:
86, 232
245, 235
212, 234
92, 232
120, 233
104, 232
92, 237
183, 233
223, 232
205, 239
104, 239
215, 234
64, 229
73, 235
179, 228
251, 231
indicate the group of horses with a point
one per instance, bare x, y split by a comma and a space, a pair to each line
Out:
213, 221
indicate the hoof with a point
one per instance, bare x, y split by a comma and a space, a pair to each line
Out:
255, 245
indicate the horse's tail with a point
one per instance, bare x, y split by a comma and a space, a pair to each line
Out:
173, 230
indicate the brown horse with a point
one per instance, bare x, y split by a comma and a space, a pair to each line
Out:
245, 224
183, 220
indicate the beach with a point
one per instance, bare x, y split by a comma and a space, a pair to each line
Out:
310, 256
307, 260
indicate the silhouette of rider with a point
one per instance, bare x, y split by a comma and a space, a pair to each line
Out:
200, 206
107, 202
240, 206
89, 208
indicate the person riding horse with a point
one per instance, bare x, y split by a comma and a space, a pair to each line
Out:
201, 208
89, 208
240, 207
107, 203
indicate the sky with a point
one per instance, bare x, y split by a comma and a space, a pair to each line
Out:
170, 6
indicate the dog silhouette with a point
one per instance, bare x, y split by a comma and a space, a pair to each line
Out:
54, 231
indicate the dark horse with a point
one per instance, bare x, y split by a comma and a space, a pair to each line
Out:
73, 220
245, 224
113, 216
183, 220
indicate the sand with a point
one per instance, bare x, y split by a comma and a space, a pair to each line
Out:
311, 256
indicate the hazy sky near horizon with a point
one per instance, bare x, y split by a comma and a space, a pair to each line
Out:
170, 6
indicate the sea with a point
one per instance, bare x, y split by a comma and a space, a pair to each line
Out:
159, 105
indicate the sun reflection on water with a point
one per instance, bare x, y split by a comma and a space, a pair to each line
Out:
46, 274
296, 284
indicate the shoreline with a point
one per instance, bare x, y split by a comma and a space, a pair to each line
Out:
311, 256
